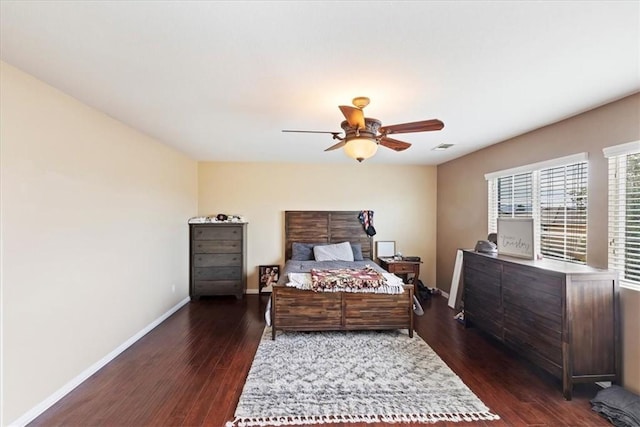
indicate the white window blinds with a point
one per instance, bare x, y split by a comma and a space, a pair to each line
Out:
554, 194
563, 212
624, 212
509, 197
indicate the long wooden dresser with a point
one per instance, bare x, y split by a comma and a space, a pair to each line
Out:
218, 259
563, 317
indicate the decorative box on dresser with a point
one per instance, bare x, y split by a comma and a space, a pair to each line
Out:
217, 259
563, 317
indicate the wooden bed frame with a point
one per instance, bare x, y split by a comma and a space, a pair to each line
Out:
297, 310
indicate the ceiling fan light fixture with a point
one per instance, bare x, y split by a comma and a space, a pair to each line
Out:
361, 148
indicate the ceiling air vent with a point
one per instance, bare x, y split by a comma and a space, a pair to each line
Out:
442, 147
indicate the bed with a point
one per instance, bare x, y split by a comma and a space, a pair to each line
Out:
296, 309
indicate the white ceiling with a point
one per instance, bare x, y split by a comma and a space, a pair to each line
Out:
220, 80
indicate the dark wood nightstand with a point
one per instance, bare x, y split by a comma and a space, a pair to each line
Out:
402, 268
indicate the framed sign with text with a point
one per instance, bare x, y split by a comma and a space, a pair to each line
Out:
516, 238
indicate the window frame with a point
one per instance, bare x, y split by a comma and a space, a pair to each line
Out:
617, 205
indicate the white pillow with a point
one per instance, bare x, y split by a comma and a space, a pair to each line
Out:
336, 252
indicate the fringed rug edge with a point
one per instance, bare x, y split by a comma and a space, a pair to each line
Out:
332, 419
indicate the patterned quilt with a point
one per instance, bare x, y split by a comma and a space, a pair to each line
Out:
367, 277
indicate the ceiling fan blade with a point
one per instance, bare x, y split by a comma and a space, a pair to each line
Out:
336, 146
423, 126
394, 144
311, 131
354, 116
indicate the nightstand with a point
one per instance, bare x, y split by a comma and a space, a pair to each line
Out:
402, 268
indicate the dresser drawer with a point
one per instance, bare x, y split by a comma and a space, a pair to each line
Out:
489, 324
539, 334
217, 247
217, 260
526, 297
532, 281
482, 263
217, 287
217, 273
481, 282
528, 350
402, 268
533, 320
479, 302
217, 233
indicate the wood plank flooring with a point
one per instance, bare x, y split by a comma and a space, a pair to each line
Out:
190, 370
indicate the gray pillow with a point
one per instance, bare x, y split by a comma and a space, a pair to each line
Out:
357, 251
303, 251
337, 252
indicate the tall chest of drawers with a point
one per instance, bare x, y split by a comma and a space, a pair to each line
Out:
217, 259
563, 317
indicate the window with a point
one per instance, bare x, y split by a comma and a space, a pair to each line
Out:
624, 212
554, 193
563, 212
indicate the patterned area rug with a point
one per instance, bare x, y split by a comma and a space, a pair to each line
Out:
341, 377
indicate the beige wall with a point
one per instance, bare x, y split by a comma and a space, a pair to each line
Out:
462, 195
402, 197
93, 221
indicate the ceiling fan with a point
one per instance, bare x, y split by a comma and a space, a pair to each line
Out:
364, 134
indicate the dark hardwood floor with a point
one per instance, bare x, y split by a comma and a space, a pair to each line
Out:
190, 370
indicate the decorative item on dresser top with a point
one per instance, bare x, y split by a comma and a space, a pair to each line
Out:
563, 317
217, 218
217, 259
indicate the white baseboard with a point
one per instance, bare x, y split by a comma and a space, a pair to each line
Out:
444, 294
266, 290
34, 412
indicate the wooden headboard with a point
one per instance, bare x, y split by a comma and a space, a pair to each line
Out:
325, 227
